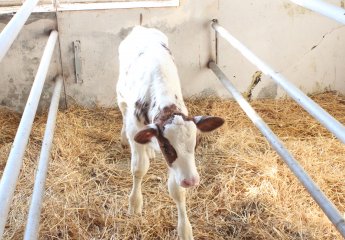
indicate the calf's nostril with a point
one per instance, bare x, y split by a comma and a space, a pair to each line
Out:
190, 182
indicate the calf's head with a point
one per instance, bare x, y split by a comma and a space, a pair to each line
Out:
177, 138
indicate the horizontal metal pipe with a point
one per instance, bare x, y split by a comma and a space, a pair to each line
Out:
14, 163
303, 100
32, 226
11, 30
325, 204
326, 9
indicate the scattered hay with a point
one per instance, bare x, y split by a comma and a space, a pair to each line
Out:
246, 192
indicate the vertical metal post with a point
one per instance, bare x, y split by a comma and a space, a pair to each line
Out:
216, 43
326, 9
333, 125
31, 231
325, 204
15, 160
10, 32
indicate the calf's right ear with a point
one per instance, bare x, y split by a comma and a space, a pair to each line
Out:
145, 135
208, 123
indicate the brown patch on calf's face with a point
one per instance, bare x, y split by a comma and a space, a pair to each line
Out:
141, 111
167, 149
165, 117
167, 114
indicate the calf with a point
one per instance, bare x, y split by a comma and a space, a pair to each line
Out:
156, 118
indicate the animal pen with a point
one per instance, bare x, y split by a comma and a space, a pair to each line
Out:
245, 191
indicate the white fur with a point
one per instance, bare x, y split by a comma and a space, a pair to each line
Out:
184, 166
147, 71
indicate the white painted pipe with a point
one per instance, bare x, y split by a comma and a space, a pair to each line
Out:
326, 9
326, 205
32, 226
303, 100
15, 160
12, 29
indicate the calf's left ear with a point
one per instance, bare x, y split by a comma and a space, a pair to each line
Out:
207, 123
145, 135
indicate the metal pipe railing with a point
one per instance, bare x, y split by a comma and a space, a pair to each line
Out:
14, 163
32, 226
303, 100
325, 204
326, 9
11, 30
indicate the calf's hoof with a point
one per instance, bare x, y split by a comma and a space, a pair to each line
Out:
185, 232
134, 210
135, 205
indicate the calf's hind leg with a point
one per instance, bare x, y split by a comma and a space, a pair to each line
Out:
123, 110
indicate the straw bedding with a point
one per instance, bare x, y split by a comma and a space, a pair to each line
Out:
246, 191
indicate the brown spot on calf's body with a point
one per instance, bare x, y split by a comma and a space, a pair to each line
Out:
141, 111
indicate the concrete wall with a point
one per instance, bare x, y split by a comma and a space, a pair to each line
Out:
19, 66
307, 48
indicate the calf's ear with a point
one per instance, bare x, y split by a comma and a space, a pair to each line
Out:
145, 135
208, 123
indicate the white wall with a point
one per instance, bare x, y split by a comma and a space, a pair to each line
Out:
281, 33
307, 48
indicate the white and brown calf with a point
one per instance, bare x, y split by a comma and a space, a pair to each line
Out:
156, 118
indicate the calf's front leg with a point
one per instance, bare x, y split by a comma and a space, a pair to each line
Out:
139, 166
178, 194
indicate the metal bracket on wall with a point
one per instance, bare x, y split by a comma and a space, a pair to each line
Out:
77, 61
